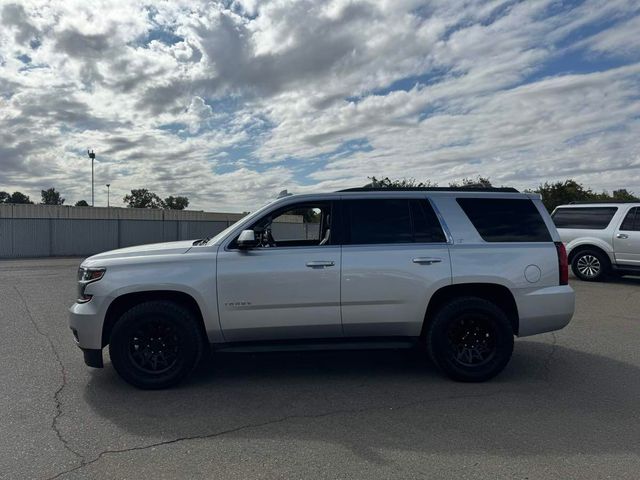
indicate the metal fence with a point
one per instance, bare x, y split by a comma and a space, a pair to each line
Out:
51, 230
43, 231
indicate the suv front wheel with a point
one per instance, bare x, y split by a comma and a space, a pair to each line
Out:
156, 344
470, 339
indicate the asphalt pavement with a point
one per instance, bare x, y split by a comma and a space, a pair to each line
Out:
567, 406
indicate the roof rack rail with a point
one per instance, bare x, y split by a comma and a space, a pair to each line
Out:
589, 202
432, 189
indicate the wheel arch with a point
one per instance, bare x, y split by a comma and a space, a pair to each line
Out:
587, 246
495, 293
126, 301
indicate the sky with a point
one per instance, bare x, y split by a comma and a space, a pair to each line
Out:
229, 103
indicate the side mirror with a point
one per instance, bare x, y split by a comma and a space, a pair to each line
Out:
247, 239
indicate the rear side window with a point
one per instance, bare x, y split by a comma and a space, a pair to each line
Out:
632, 221
505, 220
588, 218
426, 227
379, 221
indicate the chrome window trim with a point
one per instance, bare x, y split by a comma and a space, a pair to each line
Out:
279, 249
443, 224
399, 244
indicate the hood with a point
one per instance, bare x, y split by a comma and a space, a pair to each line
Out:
167, 248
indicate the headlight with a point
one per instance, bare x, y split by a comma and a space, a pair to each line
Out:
85, 277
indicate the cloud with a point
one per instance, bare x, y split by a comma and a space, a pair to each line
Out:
15, 17
623, 40
231, 102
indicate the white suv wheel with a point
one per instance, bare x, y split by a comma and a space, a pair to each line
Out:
589, 266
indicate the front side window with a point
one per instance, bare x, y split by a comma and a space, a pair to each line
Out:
302, 225
587, 218
384, 221
505, 220
632, 220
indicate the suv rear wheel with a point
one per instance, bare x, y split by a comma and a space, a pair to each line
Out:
590, 265
156, 344
470, 339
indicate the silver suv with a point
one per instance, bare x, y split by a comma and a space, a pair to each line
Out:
600, 238
456, 272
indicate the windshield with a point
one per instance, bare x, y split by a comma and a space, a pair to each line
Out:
220, 236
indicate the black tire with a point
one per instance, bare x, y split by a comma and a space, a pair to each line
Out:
590, 265
470, 339
174, 348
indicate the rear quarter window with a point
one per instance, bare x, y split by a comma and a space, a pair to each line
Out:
587, 218
505, 220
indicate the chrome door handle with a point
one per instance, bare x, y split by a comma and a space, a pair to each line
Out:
622, 235
320, 263
426, 260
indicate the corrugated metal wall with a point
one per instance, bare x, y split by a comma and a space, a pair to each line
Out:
45, 230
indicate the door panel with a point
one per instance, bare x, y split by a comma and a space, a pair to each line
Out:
626, 239
386, 288
271, 293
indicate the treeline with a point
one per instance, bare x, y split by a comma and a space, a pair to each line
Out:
143, 198
138, 198
552, 193
49, 197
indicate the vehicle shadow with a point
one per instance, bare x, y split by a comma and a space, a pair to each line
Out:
624, 279
611, 279
372, 400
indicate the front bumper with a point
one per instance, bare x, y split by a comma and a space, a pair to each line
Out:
85, 320
86, 326
93, 357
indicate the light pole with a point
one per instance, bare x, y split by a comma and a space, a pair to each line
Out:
92, 156
108, 185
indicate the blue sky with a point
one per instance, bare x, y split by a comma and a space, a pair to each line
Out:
229, 103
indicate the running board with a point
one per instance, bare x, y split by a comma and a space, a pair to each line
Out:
302, 346
631, 269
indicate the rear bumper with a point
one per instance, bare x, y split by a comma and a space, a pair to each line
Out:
545, 309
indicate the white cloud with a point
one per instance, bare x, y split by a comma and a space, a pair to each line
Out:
230, 103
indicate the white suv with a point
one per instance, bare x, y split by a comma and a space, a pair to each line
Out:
459, 272
600, 238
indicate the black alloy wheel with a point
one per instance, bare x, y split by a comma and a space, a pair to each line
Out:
156, 344
470, 339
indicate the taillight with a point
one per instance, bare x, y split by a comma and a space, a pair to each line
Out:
563, 263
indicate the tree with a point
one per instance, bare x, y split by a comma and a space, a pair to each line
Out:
386, 182
4, 197
82, 203
143, 198
560, 193
176, 203
479, 182
51, 197
624, 195
19, 197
